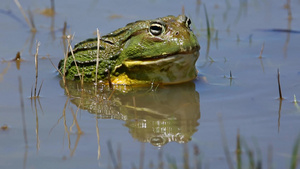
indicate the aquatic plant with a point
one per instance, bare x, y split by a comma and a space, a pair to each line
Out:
279, 86
29, 21
246, 157
207, 22
36, 95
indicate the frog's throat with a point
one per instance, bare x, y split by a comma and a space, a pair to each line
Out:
173, 69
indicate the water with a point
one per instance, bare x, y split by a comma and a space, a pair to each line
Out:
158, 121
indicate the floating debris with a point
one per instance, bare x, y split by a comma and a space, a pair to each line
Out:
4, 127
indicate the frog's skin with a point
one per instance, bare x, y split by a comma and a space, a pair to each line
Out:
162, 51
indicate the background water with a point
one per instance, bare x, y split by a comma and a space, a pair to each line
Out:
192, 113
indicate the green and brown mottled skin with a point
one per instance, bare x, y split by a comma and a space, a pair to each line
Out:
163, 50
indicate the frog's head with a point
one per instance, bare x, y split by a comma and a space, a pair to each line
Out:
163, 50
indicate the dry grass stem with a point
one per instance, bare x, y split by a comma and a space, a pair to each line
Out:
71, 50
182, 10
61, 74
64, 30
261, 50
97, 61
279, 86
288, 7
36, 67
25, 16
65, 60
55, 66
40, 88
63, 71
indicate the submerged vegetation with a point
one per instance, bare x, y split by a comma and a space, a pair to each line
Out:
245, 157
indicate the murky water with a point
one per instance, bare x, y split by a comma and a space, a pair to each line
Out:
155, 121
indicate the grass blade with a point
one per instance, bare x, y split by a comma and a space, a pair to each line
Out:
225, 144
207, 22
279, 86
295, 154
98, 48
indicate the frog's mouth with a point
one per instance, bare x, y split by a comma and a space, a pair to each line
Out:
194, 52
166, 69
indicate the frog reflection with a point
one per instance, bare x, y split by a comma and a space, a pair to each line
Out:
158, 115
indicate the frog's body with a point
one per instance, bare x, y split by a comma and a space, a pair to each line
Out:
163, 50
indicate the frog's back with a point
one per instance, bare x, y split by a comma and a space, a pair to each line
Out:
85, 53
141, 52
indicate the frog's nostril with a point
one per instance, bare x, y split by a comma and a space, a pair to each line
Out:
176, 33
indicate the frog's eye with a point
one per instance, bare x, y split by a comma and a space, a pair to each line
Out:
188, 22
156, 28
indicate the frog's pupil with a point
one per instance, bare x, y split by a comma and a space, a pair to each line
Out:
156, 29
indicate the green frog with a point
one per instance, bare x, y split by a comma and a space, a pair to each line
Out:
159, 51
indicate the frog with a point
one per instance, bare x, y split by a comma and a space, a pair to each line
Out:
158, 51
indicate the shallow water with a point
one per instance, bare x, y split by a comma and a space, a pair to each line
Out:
158, 120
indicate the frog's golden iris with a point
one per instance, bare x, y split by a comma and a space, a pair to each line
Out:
163, 50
